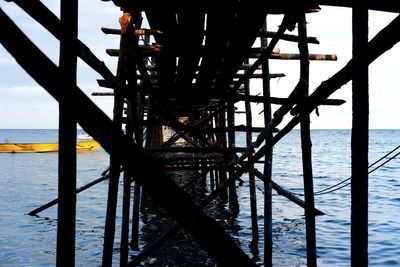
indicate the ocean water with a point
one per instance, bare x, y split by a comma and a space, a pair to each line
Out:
30, 180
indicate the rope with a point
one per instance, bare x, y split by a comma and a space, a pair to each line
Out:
333, 188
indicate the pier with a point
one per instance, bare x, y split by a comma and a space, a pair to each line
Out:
182, 68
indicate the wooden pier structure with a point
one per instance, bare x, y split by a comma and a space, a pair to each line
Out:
186, 68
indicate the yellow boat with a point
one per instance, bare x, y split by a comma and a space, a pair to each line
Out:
81, 146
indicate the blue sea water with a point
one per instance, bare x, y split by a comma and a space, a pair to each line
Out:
30, 180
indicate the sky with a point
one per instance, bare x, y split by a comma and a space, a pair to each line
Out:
24, 104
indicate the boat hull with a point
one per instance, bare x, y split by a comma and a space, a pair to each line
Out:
85, 146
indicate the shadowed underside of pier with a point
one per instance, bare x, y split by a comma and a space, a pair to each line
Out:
184, 65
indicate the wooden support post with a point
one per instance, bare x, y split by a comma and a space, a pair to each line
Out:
65, 255
126, 198
306, 147
115, 163
138, 107
221, 142
212, 180
109, 228
233, 198
359, 144
213, 173
268, 160
129, 41
134, 244
252, 184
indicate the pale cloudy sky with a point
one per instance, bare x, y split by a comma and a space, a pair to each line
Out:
23, 104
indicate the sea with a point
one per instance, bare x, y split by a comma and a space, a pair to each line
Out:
28, 180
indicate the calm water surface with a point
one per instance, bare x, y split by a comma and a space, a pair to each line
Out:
30, 180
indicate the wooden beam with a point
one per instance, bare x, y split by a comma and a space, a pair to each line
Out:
282, 101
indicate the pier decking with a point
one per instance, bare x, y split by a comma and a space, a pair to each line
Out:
187, 71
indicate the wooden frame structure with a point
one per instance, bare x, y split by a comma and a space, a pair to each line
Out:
192, 71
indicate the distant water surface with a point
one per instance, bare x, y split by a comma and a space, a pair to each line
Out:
30, 180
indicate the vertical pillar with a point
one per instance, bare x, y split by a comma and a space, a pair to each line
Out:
268, 162
252, 183
233, 199
221, 141
359, 145
115, 162
306, 147
135, 217
67, 139
132, 128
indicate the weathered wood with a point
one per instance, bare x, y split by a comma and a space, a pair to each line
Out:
134, 244
221, 142
259, 75
228, 129
252, 185
136, 32
306, 146
283, 192
126, 198
125, 58
233, 198
154, 50
283, 101
268, 154
53, 202
285, 56
66, 212
163, 191
129, 69
148, 51
102, 94
359, 143
268, 34
112, 198
203, 150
